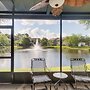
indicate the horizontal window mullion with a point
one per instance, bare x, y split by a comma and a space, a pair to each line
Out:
6, 26
5, 57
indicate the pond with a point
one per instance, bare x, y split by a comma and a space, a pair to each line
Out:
22, 58
52, 56
72, 53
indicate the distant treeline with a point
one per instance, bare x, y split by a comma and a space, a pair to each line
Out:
26, 41
76, 40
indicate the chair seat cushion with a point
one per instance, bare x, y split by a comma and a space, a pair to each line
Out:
41, 78
82, 78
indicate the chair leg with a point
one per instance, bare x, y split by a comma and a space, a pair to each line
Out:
75, 84
50, 86
46, 87
56, 88
33, 87
65, 87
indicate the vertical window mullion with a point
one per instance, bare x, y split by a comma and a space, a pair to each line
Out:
61, 43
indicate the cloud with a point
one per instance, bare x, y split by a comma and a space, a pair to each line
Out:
26, 22
71, 21
64, 34
5, 22
39, 33
39, 22
23, 31
48, 22
5, 31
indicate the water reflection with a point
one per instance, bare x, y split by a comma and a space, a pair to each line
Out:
71, 53
23, 57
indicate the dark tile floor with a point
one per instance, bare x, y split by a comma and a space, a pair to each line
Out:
39, 86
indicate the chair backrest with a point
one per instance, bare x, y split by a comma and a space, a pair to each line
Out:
38, 64
78, 65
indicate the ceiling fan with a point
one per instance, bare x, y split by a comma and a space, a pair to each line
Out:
57, 5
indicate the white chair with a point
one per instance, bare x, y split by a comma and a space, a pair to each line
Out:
39, 65
79, 71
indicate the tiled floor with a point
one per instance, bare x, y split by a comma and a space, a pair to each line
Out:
38, 87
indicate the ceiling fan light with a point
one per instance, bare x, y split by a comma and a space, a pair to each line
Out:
56, 3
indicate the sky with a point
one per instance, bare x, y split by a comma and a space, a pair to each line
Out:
38, 28
74, 27
48, 28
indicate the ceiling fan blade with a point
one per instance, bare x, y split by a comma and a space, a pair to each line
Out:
39, 5
57, 11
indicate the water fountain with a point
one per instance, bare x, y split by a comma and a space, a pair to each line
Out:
24, 56
37, 45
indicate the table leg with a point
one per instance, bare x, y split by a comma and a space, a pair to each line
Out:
58, 82
64, 84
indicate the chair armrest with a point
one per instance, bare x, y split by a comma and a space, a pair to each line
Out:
48, 69
31, 73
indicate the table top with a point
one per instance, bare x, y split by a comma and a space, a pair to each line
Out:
60, 75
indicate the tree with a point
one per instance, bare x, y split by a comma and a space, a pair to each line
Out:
25, 42
66, 41
87, 40
4, 40
86, 23
44, 42
50, 42
8, 36
18, 36
72, 40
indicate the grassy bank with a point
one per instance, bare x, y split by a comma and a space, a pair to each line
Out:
76, 48
52, 69
63, 47
45, 47
57, 47
18, 47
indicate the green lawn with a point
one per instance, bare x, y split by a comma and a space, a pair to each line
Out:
57, 47
52, 69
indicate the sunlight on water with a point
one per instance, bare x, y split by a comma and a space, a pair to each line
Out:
23, 57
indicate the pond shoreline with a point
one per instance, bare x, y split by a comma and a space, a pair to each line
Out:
58, 47
76, 48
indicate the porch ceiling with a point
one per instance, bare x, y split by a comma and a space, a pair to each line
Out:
24, 5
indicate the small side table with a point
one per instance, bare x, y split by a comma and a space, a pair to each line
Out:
61, 76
